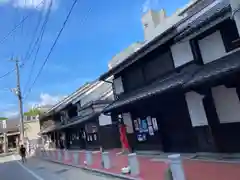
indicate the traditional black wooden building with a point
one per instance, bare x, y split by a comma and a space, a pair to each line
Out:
179, 92
77, 122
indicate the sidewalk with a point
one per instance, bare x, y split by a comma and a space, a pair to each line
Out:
54, 171
153, 168
200, 170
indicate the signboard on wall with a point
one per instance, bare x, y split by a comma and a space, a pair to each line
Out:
104, 120
91, 128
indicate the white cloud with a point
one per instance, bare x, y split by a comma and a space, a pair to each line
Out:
45, 99
31, 4
150, 4
9, 114
11, 110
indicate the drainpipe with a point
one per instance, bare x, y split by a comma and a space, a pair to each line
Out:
235, 5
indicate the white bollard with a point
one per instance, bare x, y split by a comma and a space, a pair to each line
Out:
89, 158
76, 158
133, 163
176, 167
66, 154
106, 160
60, 156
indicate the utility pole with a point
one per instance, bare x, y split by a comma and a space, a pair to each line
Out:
19, 95
5, 138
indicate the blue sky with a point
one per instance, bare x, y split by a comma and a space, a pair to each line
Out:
96, 31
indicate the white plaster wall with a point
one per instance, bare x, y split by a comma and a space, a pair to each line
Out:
227, 104
118, 85
32, 128
196, 109
181, 53
104, 120
212, 47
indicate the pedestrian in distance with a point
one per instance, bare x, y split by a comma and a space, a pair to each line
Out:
23, 153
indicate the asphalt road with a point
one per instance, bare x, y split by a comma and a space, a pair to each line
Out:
35, 169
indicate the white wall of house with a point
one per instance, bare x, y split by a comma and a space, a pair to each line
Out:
118, 85
227, 104
32, 128
181, 53
196, 109
212, 47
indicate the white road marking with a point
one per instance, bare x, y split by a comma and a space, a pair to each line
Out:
27, 169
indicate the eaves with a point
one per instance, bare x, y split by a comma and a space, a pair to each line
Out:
169, 34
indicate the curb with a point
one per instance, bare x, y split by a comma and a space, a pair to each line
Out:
93, 170
7, 154
215, 161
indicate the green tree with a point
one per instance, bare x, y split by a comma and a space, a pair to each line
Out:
32, 112
3, 118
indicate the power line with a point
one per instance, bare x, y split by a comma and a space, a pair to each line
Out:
11, 32
32, 43
18, 25
51, 49
13, 36
38, 42
8, 73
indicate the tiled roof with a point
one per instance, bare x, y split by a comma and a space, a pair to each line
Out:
196, 6
214, 12
12, 125
189, 78
173, 81
215, 70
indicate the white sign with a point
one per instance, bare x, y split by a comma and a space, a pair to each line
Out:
104, 120
4, 124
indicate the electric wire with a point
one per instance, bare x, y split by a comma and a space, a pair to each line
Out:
11, 32
52, 47
38, 44
18, 25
